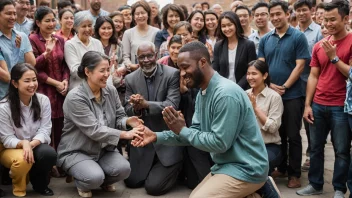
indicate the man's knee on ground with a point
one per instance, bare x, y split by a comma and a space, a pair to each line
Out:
132, 183
155, 187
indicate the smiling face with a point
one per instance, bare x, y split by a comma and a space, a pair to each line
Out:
95, 4
228, 28
173, 51
99, 75
154, 9
22, 7
127, 16
8, 17
118, 23
185, 34
278, 17
190, 70
141, 16
105, 31
255, 78
67, 20
172, 18
85, 30
319, 16
261, 17
334, 22
244, 16
211, 23
304, 14
47, 24
27, 85
146, 58
197, 22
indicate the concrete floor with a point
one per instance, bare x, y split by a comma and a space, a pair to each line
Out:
63, 190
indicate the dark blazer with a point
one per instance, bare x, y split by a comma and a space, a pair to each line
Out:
166, 85
245, 54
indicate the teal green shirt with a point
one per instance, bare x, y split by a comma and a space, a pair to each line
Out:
224, 125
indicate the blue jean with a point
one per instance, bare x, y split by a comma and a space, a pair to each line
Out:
328, 118
274, 156
349, 179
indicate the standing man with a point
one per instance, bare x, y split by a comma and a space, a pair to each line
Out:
261, 19
319, 13
95, 10
311, 30
245, 15
23, 24
14, 45
285, 49
149, 90
223, 124
324, 105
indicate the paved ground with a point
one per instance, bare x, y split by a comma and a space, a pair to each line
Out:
63, 190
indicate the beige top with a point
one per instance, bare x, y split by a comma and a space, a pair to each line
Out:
270, 103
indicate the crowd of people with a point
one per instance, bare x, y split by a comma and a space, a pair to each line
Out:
213, 98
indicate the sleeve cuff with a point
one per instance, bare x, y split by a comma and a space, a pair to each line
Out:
13, 143
41, 138
160, 137
123, 123
185, 132
267, 124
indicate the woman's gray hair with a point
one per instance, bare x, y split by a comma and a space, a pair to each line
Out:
80, 17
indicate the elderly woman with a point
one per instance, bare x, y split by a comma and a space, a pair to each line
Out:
94, 123
79, 45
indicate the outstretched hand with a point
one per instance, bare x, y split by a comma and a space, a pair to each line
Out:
134, 121
174, 119
148, 137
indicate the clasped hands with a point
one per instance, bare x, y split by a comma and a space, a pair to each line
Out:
173, 119
138, 102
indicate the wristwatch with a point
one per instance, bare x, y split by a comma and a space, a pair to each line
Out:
284, 86
335, 60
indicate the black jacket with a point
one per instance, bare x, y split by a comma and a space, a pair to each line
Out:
245, 54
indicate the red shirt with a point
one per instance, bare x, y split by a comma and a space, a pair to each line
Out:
54, 67
331, 87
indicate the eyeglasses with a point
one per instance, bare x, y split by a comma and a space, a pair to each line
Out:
24, 3
148, 56
263, 14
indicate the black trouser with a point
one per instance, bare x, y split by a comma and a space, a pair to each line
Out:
45, 158
197, 164
159, 180
290, 137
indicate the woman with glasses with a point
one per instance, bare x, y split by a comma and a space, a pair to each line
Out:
143, 31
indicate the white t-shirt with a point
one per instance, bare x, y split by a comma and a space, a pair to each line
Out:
232, 59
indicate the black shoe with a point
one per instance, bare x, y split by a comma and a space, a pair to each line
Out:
45, 192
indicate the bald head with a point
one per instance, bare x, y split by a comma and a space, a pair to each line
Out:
146, 45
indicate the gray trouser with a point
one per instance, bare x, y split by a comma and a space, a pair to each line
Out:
110, 168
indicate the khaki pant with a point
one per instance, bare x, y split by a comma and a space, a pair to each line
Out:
220, 185
13, 159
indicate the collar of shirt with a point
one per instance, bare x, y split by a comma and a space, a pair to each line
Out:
29, 105
212, 83
288, 31
264, 92
90, 93
26, 20
153, 74
310, 27
75, 38
13, 35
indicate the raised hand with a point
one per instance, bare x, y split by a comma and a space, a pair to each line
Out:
148, 137
174, 119
18, 41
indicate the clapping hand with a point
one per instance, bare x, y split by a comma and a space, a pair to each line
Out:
18, 41
174, 119
253, 100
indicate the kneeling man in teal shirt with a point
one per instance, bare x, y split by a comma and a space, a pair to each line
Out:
223, 124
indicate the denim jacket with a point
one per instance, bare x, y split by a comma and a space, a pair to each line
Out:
348, 101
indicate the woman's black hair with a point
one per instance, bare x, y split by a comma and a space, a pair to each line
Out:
175, 39
174, 8
262, 67
206, 13
90, 60
118, 13
4, 3
39, 15
99, 22
235, 20
13, 96
201, 33
62, 12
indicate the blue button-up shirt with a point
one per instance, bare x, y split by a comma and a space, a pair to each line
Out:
11, 54
101, 13
25, 27
313, 35
255, 38
281, 55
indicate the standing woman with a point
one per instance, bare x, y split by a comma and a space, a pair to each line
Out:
211, 24
155, 18
81, 43
196, 19
120, 28
172, 14
233, 52
141, 14
66, 18
53, 73
25, 133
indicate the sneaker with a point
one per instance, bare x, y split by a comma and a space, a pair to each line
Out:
309, 190
339, 194
84, 193
109, 188
306, 165
270, 190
